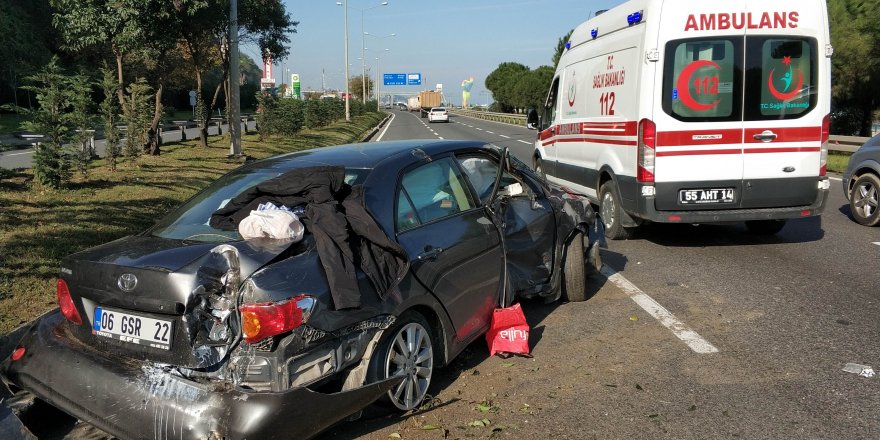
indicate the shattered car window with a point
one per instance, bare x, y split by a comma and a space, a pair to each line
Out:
191, 221
436, 190
481, 172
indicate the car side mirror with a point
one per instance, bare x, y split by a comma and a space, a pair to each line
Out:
541, 126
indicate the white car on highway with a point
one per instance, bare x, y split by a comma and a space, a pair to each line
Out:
438, 114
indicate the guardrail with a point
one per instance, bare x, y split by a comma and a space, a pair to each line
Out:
836, 143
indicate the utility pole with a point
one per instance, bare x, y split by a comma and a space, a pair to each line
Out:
234, 78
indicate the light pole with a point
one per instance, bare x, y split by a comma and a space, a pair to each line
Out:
344, 5
380, 37
377, 80
363, 48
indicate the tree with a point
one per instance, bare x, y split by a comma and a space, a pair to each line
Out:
52, 119
109, 110
356, 83
531, 89
560, 47
855, 35
501, 83
263, 22
136, 113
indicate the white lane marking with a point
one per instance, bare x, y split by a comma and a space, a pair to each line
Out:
678, 328
479, 129
505, 137
525, 142
487, 131
877, 243
441, 137
381, 135
835, 178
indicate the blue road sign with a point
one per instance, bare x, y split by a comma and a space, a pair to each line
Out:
394, 79
413, 79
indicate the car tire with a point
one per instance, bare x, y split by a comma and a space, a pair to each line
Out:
765, 227
574, 276
394, 356
539, 168
864, 198
611, 212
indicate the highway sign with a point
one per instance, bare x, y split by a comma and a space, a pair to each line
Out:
414, 79
394, 79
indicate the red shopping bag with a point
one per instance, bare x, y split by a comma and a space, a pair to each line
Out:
509, 332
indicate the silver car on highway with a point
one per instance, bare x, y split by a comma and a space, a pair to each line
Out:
861, 183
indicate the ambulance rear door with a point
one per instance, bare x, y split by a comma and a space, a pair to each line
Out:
699, 131
785, 102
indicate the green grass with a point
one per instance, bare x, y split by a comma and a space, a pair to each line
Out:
38, 227
837, 162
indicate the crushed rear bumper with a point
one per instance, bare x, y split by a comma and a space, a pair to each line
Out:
143, 400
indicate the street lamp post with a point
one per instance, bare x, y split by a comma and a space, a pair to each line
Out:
363, 49
381, 37
344, 5
377, 80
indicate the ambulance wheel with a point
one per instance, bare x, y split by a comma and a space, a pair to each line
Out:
611, 212
573, 274
765, 227
406, 349
863, 201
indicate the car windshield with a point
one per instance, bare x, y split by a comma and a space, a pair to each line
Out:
191, 221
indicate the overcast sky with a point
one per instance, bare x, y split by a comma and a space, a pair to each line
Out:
446, 41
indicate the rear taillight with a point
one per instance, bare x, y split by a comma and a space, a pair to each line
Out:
823, 155
262, 320
65, 302
646, 154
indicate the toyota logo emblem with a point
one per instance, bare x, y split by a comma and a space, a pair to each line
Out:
127, 282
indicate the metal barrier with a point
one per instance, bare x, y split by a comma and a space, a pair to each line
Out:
836, 143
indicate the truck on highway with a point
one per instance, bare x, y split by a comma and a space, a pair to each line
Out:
693, 112
428, 100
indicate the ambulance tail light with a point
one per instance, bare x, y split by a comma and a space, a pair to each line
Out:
646, 151
823, 155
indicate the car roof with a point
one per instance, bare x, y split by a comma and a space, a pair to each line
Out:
363, 155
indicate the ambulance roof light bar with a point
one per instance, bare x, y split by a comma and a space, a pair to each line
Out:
634, 18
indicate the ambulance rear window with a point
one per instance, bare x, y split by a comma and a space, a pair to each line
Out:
780, 77
702, 79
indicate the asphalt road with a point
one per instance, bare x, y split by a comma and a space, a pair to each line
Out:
700, 332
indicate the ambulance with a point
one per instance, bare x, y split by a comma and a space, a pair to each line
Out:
681, 111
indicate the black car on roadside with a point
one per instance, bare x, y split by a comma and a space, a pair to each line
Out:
189, 331
861, 183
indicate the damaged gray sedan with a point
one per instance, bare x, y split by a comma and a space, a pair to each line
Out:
190, 331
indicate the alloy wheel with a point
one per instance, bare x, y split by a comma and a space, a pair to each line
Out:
411, 355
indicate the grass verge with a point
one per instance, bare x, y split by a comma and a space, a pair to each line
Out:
39, 227
837, 162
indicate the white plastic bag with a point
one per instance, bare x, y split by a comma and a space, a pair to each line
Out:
275, 223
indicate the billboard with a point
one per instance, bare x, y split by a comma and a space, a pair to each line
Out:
413, 79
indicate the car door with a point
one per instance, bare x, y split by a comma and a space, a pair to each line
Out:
454, 248
525, 216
